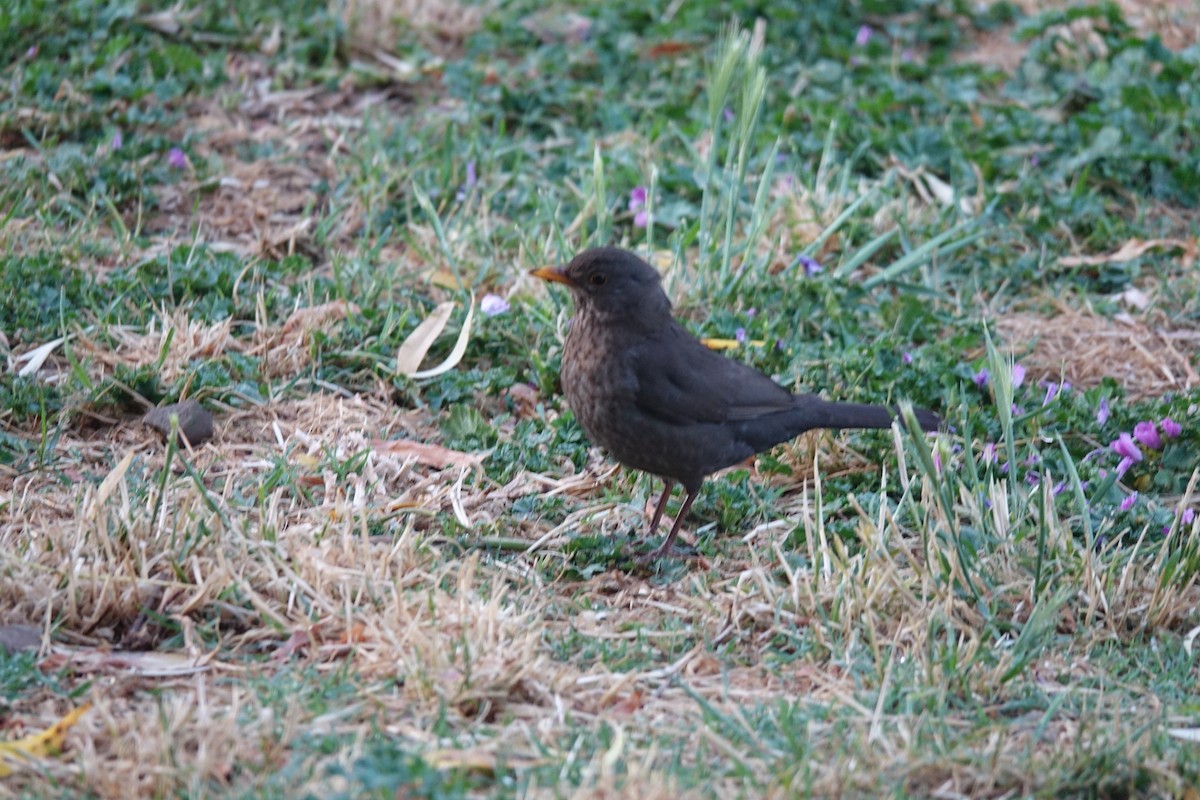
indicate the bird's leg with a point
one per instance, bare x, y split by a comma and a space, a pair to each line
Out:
664, 549
668, 485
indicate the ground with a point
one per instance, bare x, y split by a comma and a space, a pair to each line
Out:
370, 583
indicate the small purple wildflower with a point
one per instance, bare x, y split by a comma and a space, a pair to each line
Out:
937, 461
1171, 428
1034, 161
1052, 390
117, 141
1102, 411
1129, 502
472, 176
906, 358
176, 159
1018, 375
1122, 467
989, 453
637, 204
1033, 478
855, 61
637, 198
32, 52
1124, 447
750, 312
810, 264
727, 113
982, 377
1058, 489
1147, 435
740, 335
907, 55
1189, 514
493, 304
779, 345
863, 36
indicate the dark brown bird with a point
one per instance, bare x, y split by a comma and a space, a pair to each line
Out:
659, 400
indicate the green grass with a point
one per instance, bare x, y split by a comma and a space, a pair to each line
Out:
995, 612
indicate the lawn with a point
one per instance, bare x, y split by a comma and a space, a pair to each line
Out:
398, 568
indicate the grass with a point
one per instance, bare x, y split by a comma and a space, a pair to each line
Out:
255, 210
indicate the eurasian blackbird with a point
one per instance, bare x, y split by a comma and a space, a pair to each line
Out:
659, 400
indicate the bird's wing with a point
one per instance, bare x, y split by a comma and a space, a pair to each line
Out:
682, 382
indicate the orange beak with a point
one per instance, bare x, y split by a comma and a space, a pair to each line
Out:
554, 274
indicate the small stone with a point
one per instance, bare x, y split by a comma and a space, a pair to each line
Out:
195, 424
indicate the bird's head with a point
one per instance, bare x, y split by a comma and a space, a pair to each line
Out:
612, 283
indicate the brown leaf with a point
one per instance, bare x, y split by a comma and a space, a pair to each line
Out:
1127, 252
430, 454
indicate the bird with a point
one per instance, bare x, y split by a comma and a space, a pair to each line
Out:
659, 400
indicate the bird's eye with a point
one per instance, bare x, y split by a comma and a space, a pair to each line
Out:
597, 279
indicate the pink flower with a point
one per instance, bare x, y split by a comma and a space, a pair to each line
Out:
1122, 467
1124, 447
492, 304
1018, 375
1147, 435
863, 36
1102, 411
1189, 514
1129, 502
1171, 428
637, 204
176, 159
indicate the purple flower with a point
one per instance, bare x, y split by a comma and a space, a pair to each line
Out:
1033, 478
907, 56
1034, 161
32, 52
1129, 502
1147, 435
989, 453
1102, 411
750, 312
117, 141
1189, 514
740, 335
1122, 467
982, 377
863, 36
906, 357
1052, 390
1124, 447
493, 304
1018, 375
176, 159
810, 264
472, 177
727, 112
937, 461
1058, 489
637, 204
1171, 428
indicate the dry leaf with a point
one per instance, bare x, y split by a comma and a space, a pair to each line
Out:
1127, 252
39, 745
413, 351
432, 455
37, 357
460, 349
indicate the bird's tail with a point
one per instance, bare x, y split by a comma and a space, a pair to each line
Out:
810, 411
